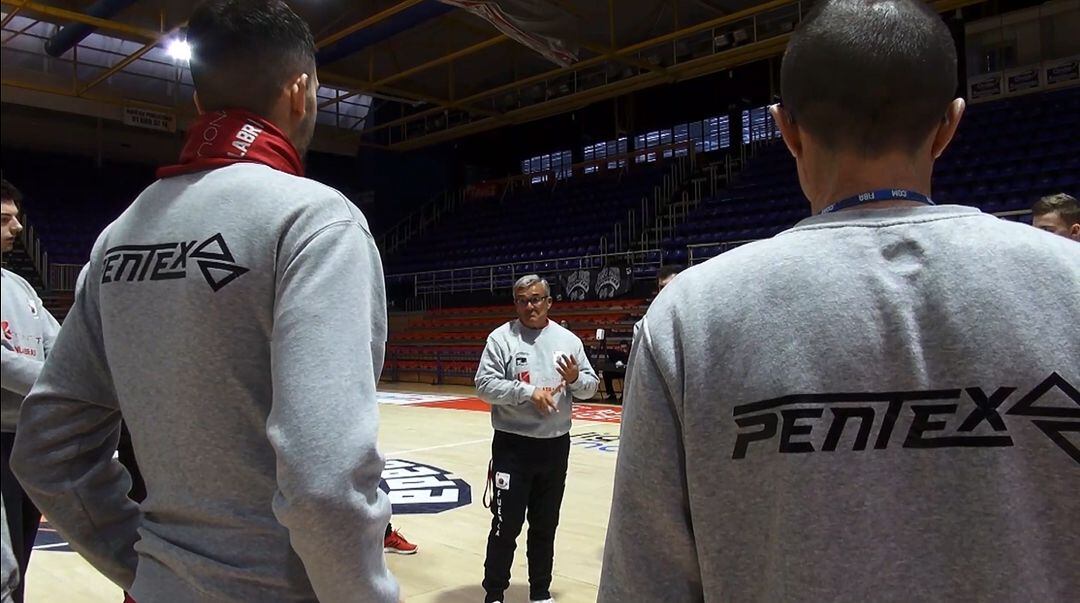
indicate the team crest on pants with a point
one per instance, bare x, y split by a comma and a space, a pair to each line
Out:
502, 481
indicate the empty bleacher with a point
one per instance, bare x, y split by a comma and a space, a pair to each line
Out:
533, 223
1005, 156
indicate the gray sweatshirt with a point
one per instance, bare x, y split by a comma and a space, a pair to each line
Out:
9, 567
237, 319
28, 335
516, 361
871, 406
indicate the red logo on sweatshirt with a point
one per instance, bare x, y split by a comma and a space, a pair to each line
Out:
523, 376
7, 330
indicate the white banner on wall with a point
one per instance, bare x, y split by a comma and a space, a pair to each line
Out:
984, 87
1058, 73
152, 120
1062, 72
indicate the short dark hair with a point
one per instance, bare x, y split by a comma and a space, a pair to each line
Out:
1065, 205
869, 76
8, 192
666, 272
244, 51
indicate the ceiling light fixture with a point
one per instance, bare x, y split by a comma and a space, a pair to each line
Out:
179, 50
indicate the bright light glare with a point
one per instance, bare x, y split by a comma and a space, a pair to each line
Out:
179, 50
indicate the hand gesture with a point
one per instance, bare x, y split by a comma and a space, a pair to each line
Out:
544, 402
568, 368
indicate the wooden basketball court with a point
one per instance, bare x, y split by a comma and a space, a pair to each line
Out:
437, 443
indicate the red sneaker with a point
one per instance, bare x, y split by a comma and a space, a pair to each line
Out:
396, 543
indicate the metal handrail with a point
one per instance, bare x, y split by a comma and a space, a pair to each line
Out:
63, 277
484, 277
39, 258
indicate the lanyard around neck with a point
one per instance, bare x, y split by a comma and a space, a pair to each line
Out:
888, 194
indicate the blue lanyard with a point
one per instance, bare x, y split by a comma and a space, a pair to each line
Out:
888, 194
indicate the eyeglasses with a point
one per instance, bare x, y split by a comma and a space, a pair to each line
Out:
530, 301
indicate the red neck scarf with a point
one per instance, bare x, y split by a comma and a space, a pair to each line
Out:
222, 138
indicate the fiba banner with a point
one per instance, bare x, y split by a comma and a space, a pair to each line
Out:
151, 120
1062, 72
985, 87
609, 282
1023, 79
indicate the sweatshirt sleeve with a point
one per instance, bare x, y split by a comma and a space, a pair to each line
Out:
492, 386
50, 329
19, 371
650, 553
327, 351
587, 382
68, 432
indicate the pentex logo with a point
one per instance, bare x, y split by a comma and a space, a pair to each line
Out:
168, 261
936, 419
417, 488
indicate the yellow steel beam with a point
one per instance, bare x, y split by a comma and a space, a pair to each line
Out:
354, 84
368, 22
20, 32
423, 67
453, 56
120, 102
129, 59
694, 68
147, 35
467, 101
11, 15
614, 55
632, 61
344, 81
681, 71
151, 36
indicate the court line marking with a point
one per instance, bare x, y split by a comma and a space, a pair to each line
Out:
425, 449
487, 439
453, 445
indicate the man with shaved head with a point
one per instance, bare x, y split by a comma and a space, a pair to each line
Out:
864, 407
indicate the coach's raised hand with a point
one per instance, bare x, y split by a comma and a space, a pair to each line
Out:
568, 368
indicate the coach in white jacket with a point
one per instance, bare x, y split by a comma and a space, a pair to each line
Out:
531, 371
